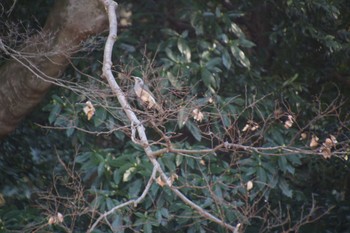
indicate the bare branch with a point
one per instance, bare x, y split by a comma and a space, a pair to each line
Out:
107, 73
130, 202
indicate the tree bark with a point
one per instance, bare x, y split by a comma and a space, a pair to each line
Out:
29, 74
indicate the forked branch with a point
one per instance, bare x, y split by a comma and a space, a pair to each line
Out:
111, 6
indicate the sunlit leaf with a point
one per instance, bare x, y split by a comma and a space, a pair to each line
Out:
184, 48
178, 160
236, 30
128, 174
240, 56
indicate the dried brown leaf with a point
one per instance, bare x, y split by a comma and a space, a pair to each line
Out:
89, 110
314, 141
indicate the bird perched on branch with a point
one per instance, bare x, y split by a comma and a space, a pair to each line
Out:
145, 95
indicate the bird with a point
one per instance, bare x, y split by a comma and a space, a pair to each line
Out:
145, 95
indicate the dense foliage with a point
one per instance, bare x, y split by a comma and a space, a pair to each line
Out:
243, 64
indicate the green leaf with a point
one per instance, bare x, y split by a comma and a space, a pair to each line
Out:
218, 12
127, 47
197, 23
196, 133
184, 48
171, 55
110, 203
100, 169
182, 117
119, 135
294, 159
240, 56
117, 224
283, 185
226, 120
116, 176
218, 192
147, 228
262, 176
128, 174
165, 212
169, 32
213, 63
282, 163
208, 78
236, 30
57, 99
179, 159
226, 59
168, 161
159, 216
100, 116
290, 81
134, 188
246, 43
54, 113
70, 131
184, 34
224, 38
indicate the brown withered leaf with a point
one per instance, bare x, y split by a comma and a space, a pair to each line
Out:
250, 126
278, 113
89, 110
326, 152
289, 123
160, 181
303, 136
334, 139
197, 115
56, 219
246, 128
328, 143
314, 141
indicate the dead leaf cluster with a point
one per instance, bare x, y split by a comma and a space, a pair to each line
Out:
289, 122
172, 178
56, 219
89, 110
197, 115
250, 126
327, 145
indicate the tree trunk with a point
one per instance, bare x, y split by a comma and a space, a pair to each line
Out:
25, 79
